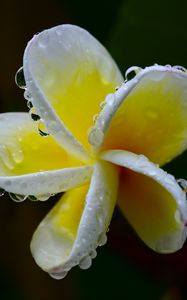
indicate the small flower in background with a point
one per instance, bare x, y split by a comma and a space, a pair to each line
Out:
101, 139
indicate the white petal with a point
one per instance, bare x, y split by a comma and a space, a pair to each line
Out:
50, 245
46, 183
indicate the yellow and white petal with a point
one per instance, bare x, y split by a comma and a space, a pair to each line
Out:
24, 151
25, 156
147, 115
70, 233
151, 200
44, 184
69, 73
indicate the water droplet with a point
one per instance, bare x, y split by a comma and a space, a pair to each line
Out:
43, 40
85, 263
2, 192
177, 216
58, 32
152, 172
6, 157
180, 68
100, 216
110, 98
42, 133
89, 208
169, 179
35, 117
132, 72
29, 104
42, 129
20, 79
43, 197
93, 254
102, 239
16, 152
32, 198
59, 275
95, 117
102, 104
95, 136
17, 197
17, 155
27, 95
182, 183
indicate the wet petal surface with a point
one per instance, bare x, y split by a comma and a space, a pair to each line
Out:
68, 68
24, 151
70, 233
149, 115
151, 200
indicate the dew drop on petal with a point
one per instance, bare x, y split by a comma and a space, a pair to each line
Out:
102, 104
58, 32
182, 183
95, 136
110, 99
95, 117
85, 263
17, 197
32, 198
2, 192
20, 79
180, 68
42, 129
43, 40
27, 95
177, 216
42, 133
16, 152
83, 240
102, 239
29, 104
6, 157
43, 197
59, 275
17, 156
132, 72
35, 117
99, 216
169, 179
93, 254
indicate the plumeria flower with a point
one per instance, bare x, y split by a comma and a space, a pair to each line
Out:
99, 144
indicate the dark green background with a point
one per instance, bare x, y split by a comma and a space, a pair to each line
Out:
136, 33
